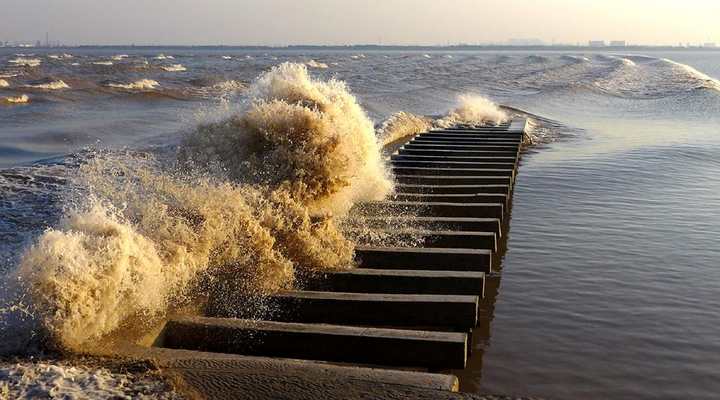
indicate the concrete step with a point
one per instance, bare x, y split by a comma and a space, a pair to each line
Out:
453, 164
231, 376
363, 280
375, 309
435, 223
451, 198
459, 152
435, 209
451, 180
424, 258
512, 159
404, 170
365, 345
460, 146
435, 238
444, 138
451, 189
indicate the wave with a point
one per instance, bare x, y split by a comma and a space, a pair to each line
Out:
249, 205
173, 68
226, 58
104, 63
4, 83
473, 109
49, 85
315, 64
63, 56
402, 125
119, 57
704, 80
27, 62
22, 99
142, 84
164, 57
8, 74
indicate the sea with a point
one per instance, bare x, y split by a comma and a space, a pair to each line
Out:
610, 285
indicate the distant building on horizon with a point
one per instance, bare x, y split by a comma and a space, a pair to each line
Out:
596, 43
710, 45
618, 43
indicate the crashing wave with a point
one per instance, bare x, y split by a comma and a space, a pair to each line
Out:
249, 206
226, 58
164, 57
105, 63
119, 57
4, 83
473, 109
63, 56
402, 125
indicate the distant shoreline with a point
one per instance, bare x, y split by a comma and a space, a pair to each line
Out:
388, 47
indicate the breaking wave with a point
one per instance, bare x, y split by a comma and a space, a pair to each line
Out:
248, 206
4, 83
402, 125
703, 80
473, 109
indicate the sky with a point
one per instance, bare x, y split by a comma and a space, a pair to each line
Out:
403, 22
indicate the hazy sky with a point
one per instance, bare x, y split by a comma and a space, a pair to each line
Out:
280, 22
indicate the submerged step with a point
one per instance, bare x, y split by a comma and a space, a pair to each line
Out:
379, 309
426, 258
453, 180
435, 223
439, 209
401, 281
398, 347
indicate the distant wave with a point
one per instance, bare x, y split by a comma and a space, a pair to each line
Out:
23, 98
119, 57
28, 62
164, 57
173, 68
315, 64
49, 85
142, 84
703, 79
106, 63
63, 56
